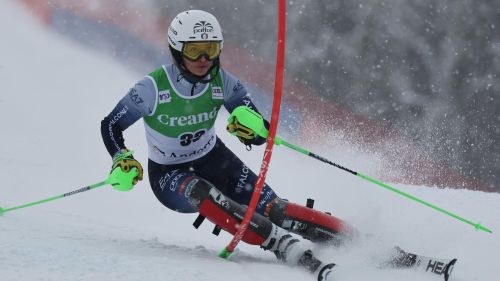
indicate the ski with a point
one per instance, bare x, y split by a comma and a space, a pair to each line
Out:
439, 267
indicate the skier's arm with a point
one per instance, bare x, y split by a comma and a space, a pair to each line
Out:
138, 102
235, 94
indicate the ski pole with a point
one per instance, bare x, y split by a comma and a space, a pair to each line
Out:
90, 187
115, 178
477, 226
254, 121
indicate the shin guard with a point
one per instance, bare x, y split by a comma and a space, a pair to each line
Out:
309, 223
226, 213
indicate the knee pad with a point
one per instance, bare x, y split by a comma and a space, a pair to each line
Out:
307, 222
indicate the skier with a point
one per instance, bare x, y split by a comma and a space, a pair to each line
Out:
190, 169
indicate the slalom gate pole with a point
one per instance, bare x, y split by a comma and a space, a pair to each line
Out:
278, 88
254, 121
87, 188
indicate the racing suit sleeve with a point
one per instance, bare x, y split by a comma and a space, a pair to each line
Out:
138, 102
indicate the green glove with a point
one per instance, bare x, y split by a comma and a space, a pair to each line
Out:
125, 172
244, 134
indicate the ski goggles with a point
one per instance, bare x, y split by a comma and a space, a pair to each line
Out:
195, 50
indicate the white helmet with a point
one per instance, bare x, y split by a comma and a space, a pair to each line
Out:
193, 25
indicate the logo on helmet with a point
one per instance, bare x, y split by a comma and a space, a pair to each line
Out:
171, 41
173, 30
203, 26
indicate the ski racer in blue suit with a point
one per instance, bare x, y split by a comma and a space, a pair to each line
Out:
190, 169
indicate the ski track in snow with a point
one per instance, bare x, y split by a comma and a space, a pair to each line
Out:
53, 89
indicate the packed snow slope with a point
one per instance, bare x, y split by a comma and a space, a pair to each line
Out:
54, 95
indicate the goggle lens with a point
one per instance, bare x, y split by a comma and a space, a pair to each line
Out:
194, 50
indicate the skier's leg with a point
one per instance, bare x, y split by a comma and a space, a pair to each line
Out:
227, 214
231, 176
183, 191
237, 181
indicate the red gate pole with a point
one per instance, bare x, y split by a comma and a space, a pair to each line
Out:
278, 88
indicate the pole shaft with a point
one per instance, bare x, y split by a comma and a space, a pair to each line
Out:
56, 197
477, 226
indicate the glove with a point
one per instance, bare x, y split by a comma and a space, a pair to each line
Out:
246, 135
120, 176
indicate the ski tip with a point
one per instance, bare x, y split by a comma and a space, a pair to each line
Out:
449, 269
1, 211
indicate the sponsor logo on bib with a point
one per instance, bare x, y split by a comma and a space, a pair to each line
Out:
165, 96
187, 120
217, 93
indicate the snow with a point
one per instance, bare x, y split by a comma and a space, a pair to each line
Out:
54, 94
